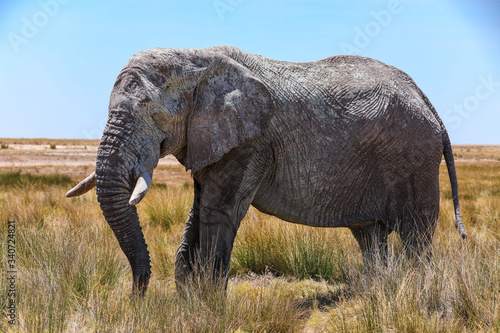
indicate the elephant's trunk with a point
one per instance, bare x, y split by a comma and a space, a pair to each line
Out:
114, 185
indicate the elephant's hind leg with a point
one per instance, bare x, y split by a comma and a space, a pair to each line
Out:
418, 213
372, 239
417, 236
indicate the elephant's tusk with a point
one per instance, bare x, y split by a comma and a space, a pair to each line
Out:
83, 186
141, 188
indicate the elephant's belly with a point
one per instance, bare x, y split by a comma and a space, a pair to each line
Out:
317, 201
341, 194
318, 216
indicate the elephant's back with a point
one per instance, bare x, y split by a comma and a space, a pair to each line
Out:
370, 90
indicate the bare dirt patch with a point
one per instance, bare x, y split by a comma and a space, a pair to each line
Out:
75, 158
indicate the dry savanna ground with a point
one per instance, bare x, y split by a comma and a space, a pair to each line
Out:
72, 277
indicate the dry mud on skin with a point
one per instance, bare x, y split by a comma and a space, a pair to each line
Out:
76, 162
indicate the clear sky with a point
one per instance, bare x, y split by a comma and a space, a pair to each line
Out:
60, 58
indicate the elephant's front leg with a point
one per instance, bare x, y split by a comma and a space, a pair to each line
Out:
189, 247
217, 232
221, 211
227, 190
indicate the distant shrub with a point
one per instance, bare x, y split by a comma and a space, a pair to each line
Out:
52, 146
23, 179
5, 146
159, 185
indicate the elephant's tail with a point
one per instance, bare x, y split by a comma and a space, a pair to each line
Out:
450, 164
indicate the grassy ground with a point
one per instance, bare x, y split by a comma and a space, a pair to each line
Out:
72, 277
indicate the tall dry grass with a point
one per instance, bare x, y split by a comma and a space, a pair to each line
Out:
72, 276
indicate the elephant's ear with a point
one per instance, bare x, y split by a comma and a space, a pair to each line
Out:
231, 106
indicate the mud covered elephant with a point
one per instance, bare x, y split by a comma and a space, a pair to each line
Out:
346, 141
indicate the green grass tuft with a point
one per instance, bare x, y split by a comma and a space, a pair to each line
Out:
26, 179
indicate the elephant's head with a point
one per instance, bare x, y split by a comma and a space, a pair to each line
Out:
194, 104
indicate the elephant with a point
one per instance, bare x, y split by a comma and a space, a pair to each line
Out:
346, 141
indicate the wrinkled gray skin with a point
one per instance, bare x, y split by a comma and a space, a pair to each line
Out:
345, 141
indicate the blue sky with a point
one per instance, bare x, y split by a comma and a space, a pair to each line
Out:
60, 58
